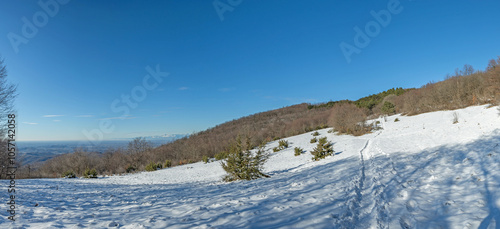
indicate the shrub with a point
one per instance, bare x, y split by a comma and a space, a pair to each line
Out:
322, 150
205, 159
330, 131
130, 169
167, 164
316, 133
298, 151
396, 120
313, 140
283, 144
242, 164
349, 119
153, 166
221, 155
90, 173
388, 108
69, 174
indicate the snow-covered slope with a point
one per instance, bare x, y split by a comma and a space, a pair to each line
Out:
421, 172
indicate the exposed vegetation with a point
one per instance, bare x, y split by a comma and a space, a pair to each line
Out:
322, 150
90, 173
349, 119
69, 174
313, 140
153, 166
283, 144
298, 151
316, 133
242, 164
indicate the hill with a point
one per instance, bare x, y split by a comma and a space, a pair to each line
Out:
424, 171
467, 87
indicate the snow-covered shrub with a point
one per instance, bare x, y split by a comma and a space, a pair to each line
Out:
90, 173
298, 151
316, 133
242, 164
322, 150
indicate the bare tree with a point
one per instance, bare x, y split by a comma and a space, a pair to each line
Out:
7, 96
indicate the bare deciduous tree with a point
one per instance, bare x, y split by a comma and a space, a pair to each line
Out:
7, 97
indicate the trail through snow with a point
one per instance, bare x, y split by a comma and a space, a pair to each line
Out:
421, 172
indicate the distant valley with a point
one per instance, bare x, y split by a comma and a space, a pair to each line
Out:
39, 151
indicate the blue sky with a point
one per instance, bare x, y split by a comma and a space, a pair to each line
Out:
263, 55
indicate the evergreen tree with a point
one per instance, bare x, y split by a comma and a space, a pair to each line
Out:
322, 150
242, 164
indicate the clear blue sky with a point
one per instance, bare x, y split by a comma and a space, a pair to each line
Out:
263, 55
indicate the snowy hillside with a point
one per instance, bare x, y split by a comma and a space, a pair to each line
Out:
421, 172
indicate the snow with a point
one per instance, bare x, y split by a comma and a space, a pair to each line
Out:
421, 172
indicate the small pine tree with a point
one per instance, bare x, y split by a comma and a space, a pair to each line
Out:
205, 159
298, 151
314, 140
90, 173
69, 174
283, 144
130, 169
322, 150
167, 164
396, 120
242, 164
316, 133
153, 166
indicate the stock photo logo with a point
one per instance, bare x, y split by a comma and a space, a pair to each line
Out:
372, 29
222, 7
31, 26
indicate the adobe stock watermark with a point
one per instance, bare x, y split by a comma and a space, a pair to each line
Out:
29, 29
222, 7
125, 103
372, 29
